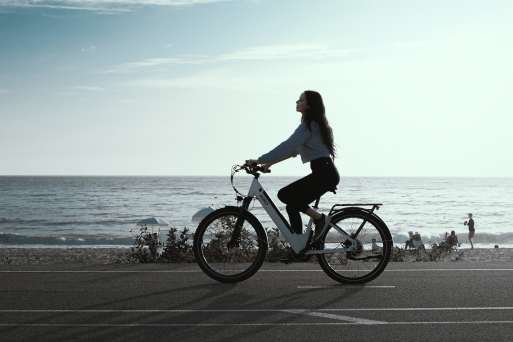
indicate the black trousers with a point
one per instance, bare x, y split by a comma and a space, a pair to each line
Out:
298, 195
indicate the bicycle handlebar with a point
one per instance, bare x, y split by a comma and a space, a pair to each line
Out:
255, 168
261, 169
251, 170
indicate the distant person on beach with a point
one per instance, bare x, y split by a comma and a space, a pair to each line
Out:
471, 230
409, 243
154, 244
313, 141
452, 239
375, 247
155, 237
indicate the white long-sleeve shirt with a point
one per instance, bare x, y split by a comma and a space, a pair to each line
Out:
308, 144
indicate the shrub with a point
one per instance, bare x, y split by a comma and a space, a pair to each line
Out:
177, 250
436, 253
276, 248
144, 249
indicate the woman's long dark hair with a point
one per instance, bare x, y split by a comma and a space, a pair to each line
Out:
317, 113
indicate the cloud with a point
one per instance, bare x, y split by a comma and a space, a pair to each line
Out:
89, 49
167, 46
3, 91
64, 93
147, 63
239, 78
90, 88
462, 58
294, 51
263, 53
101, 5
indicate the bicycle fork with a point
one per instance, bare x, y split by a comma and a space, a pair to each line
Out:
238, 224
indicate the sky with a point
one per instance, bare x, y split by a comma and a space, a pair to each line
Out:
191, 87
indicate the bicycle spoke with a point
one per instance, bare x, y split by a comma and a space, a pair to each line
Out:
362, 261
228, 261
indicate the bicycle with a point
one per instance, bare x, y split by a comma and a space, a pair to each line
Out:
230, 243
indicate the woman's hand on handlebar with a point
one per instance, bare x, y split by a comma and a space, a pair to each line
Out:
252, 162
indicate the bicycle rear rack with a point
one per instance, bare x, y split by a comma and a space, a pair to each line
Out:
374, 206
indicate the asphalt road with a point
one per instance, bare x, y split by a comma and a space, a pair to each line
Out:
409, 301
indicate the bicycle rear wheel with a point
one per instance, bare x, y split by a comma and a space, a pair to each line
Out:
235, 264
370, 257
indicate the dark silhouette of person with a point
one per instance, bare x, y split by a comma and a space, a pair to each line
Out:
452, 240
313, 140
471, 230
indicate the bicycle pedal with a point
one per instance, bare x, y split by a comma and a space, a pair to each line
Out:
315, 245
286, 262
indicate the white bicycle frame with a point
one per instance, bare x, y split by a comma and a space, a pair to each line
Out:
297, 241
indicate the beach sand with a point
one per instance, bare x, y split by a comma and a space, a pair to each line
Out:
478, 254
51, 256
95, 256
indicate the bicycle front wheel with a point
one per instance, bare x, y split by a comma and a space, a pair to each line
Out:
368, 260
237, 263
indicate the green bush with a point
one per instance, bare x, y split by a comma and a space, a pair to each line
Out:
276, 248
144, 249
178, 249
436, 253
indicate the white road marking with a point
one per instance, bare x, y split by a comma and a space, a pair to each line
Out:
258, 310
341, 286
309, 312
338, 317
200, 271
405, 270
192, 271
451, 269
234, 324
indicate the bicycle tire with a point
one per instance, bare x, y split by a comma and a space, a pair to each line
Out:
363, 264
229, 265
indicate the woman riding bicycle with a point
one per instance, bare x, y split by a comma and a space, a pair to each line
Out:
313, 140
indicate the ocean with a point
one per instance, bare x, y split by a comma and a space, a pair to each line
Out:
68, 211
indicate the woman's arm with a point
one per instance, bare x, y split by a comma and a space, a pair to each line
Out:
268, 165
288, 148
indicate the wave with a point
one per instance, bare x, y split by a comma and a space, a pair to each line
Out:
85, 223
3, 220
71, 223
7, 240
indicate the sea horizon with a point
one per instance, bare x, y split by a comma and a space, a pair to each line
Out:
102, 210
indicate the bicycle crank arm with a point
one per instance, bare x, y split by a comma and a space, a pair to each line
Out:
365, 258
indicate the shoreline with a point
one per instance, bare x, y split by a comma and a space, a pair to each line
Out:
96, 256
59, 255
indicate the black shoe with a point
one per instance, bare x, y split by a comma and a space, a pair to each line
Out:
319, 224
287, 259
316, 245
